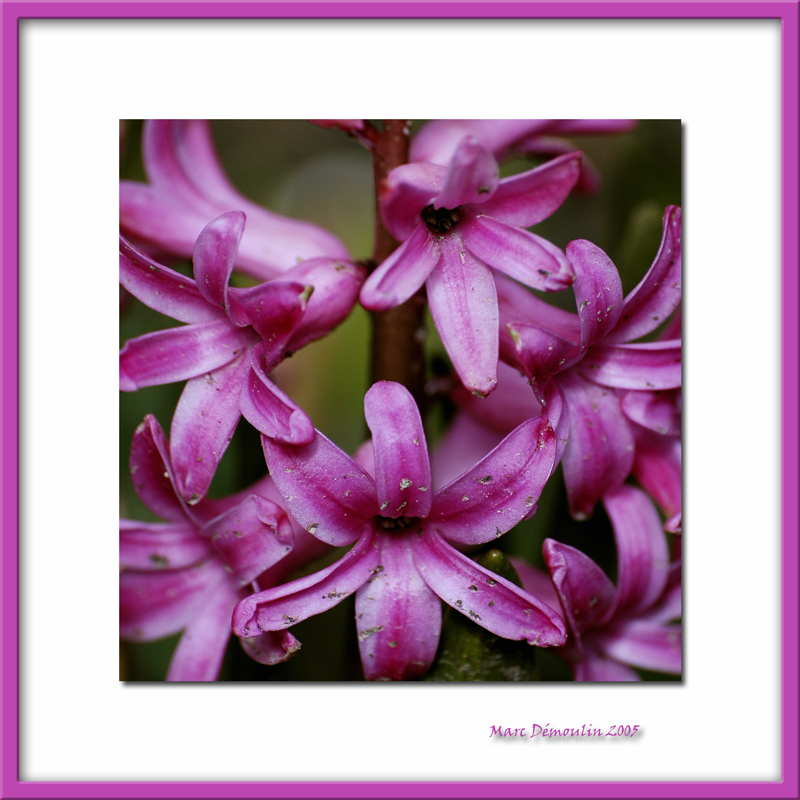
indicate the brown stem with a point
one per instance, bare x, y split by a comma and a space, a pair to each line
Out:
398, 335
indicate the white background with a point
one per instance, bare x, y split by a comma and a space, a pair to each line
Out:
79, 78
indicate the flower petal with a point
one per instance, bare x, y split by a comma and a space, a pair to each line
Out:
659, 412
281, 606
598, 291
659, 292
161, 288
250, 538
519, 254
402, 273
599, 454
272, 647
643, 645
399, 618
657, 468
270, 410
490, 601
176, 354
199, 654
203, 424
214, 256
584, 590
471, 175
402, 465
530, 197
323, 488
156, 546
595, 668
642, 551
501, 490
465, 442
647, 366
403, 194
273, 309
463, 303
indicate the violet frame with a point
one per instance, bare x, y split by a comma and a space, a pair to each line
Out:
784, 10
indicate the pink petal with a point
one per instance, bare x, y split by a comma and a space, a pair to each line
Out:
538, 583
323, 488
161, 288
157, 546
649, 365
402, 467
463, 303
599, 455
530, 197
403, 273
279, 607
659, 292
471, 175
270, 410
272, 647
176, 354
203, 424
584, 590
501, 490
489, 600
641, 549
598, 291
465, 442
595, 668
659, 412
199, 654
250, 538
398, 617
273, 309
519, 254
657, 468
214, 256
643, 645
403, 194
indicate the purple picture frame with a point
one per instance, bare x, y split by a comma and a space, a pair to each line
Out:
12, 786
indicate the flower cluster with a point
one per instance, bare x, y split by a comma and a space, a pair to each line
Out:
526, 403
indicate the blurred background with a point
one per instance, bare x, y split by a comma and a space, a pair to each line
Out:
299, 170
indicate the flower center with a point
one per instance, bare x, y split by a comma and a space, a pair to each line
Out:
440, 220
392, 524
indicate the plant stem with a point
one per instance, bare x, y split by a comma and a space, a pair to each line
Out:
398, 334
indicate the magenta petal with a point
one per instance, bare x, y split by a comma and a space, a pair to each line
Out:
648, 366
600, 451
279, 607
525, 199
465, 442
398, 617
659, 292
151, 471
402, 467
598, 291
519, 254
403, 194
489, 600
203, 424
471, 175
323, 488
595, 668
215, 254
402, 273
585, 592
272, 647
156, 546
642, 551
161, 288
273, 309
199, 654
659, 412
657, 468
271, 411
463, 303
250, 538
157, 604
501, 490
643, 645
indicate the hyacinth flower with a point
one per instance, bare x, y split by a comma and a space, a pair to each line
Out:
187, 187
232, 340
405, 536
633, 624
457, 224
593, 360
437, 140
188, 572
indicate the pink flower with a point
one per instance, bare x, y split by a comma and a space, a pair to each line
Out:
233, 338
458, 224
634, 624
403, 559
188, 573
187, 188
